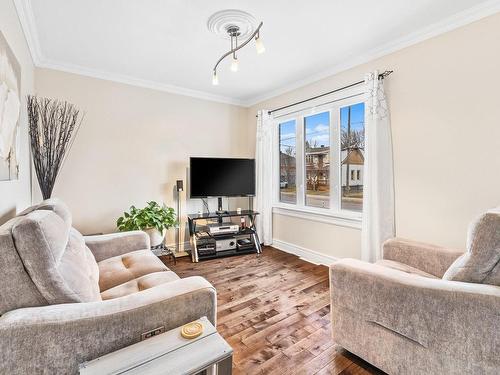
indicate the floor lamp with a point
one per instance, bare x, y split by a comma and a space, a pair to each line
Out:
179, 188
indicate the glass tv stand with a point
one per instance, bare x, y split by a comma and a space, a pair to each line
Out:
204, 244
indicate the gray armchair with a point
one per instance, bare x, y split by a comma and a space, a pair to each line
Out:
66, 298
423, 309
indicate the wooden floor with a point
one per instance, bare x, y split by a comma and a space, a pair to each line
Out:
274, 311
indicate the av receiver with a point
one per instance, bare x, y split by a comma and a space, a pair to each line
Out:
223, 244
220, 229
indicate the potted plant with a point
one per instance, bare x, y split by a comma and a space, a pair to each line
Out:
152, 219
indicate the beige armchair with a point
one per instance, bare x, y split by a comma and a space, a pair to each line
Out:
423, 309
66, 298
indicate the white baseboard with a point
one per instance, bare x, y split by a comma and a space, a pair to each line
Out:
308, 255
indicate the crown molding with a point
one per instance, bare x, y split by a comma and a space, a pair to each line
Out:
26, 18
129, 80
448, 24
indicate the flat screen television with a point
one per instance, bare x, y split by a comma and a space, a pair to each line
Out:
221, 177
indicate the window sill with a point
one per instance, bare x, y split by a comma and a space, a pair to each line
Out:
344, 219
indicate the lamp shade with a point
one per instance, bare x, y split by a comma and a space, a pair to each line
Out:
259, 46
234, 64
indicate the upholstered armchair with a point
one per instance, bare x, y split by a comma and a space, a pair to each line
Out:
66, 298
423, 309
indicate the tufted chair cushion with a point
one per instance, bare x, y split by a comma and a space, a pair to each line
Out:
139, 284
123, 268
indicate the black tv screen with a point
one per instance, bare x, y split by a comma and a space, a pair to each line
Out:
221, 177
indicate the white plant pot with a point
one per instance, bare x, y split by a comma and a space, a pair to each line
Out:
155, 236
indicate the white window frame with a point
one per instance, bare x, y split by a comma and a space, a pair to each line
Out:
334, 214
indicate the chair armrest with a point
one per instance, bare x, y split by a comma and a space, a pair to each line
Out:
55, 339
428, 258
440, 315
109, 245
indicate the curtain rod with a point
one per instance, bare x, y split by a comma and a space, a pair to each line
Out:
380, 76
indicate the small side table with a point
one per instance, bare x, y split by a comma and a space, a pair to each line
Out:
168, 353
162, 250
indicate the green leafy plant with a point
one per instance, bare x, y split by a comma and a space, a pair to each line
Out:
151, 216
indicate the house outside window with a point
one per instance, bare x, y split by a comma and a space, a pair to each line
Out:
288, 164
352, 134
317, 166
321, 159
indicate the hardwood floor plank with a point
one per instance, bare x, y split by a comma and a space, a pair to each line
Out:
315, 339
338, 364
274, 312
318, 361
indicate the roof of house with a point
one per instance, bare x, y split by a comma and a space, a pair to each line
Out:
286, 156
355, 157
318, 150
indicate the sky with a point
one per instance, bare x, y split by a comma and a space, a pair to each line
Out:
317, 127
357, 117
287, 136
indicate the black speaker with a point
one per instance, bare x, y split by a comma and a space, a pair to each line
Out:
180, 185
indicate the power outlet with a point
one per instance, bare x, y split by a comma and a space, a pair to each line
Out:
153, 332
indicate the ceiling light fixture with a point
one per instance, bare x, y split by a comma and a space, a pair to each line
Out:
234, 64
234, 24
215, 79
259, 45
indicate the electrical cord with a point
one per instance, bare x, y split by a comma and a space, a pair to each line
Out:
206, 205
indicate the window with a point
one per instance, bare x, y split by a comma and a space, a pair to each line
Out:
317, 152
352, 144
288, 165
321, 158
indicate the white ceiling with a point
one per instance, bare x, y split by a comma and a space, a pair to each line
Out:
165, 44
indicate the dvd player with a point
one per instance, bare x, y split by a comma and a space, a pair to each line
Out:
218, 229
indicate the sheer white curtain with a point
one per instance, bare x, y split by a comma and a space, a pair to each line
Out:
378, 199
264, 177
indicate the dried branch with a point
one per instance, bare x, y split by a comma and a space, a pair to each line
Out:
353, 139
53, 126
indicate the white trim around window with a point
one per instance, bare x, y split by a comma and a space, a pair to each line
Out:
344, 218
334, 214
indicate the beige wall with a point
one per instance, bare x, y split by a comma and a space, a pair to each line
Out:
134, 144
16, 195
443, 95
445, 112
331, 240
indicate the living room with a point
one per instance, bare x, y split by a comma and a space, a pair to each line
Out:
353, 226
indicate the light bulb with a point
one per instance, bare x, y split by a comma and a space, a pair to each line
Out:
259, 46
215, 79
234, 64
